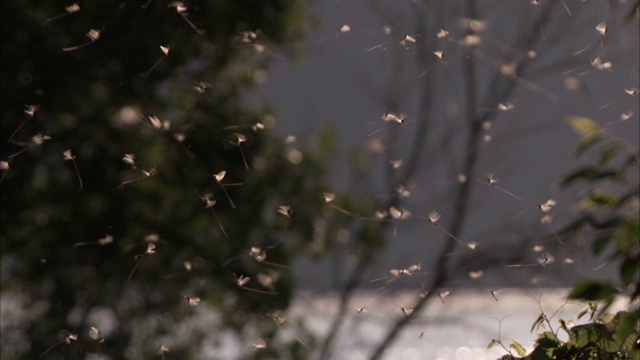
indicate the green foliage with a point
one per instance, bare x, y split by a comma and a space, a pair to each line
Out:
603, 339
610, 215
610, 209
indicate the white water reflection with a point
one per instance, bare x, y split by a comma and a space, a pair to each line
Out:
459, 329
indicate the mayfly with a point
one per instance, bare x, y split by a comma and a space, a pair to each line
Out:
398, 214
165, 50
545, 209
201, 88
93, 35
182, 10
631, 92
440, 55
68, 339
30, 111
494, 294
219, 177
260, 344
399, 273
492, 181
260, 256
601, 29
210, 202
407, 38
543, 260
239, 139
4, 166
36, 140
145, 173
68, 156
242, 281
330, 197
287, 211
68, 10
434, 217
158, 124
96, 334
151, 249
192, 301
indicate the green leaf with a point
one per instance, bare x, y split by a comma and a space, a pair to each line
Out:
538, 322
600, 244
628, 270
591, 308
492, 343
589, 174
584, 126
592, 290
603, 198
518, 348
626, 332
587, 129
546, 345
608, 152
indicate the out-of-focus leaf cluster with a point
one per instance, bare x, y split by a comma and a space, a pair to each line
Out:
97, 101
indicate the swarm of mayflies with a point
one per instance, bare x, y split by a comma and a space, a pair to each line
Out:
192, 301
107, 239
